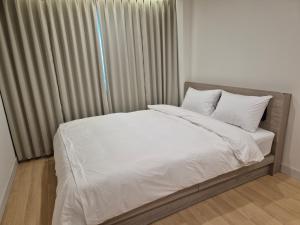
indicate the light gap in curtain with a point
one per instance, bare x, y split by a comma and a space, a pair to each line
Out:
100, 40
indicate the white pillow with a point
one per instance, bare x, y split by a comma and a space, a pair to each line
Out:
203, 102
240, 110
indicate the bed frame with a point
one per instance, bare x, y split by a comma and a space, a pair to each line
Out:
275, 120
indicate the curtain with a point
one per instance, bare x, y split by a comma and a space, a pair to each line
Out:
72, 30
140, 40
27, 78
68, 59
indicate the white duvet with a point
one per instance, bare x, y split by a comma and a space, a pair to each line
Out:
111, 164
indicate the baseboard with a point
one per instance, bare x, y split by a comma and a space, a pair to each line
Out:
290, 171
8, 188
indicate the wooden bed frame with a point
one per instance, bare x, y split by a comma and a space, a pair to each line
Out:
275, 120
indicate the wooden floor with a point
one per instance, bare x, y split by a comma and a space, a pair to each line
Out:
266, 201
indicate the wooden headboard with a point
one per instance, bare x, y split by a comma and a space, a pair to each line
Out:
276, 117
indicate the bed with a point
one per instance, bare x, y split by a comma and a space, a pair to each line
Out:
136, 168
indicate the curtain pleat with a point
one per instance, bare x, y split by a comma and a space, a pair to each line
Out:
28, 82
68, 59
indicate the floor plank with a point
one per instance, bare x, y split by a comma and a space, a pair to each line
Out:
270, 200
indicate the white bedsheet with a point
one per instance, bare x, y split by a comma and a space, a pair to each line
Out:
111, 164
264, 140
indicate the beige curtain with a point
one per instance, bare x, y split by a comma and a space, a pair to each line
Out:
67, 59
140, 39
75, 48
27, 77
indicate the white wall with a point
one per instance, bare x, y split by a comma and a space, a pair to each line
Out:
248, 43
7, 159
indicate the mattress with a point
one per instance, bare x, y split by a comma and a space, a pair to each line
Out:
264, 139
109, 165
